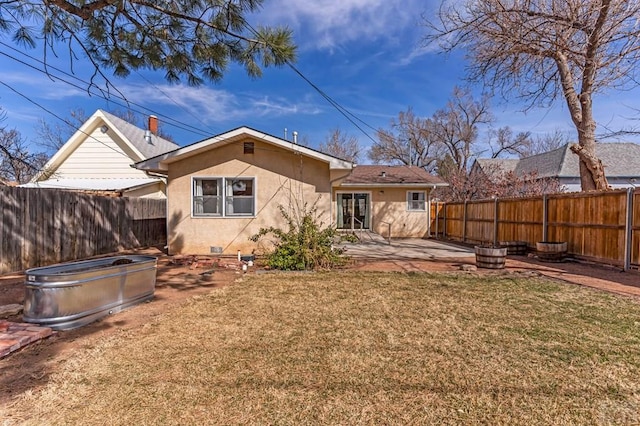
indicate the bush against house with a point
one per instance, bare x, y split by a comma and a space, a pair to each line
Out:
306, 244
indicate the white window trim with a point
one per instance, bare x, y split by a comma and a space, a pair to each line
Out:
409, 201
223, 214
345, 191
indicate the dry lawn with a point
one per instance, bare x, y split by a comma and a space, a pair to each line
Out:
362, 348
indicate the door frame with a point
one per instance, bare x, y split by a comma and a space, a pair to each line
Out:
369, 208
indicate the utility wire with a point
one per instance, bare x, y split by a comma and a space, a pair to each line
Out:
87, 87
342, 110
175, 102
17, 92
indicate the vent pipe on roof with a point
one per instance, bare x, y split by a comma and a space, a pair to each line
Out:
295, 137
285, 133
147, 137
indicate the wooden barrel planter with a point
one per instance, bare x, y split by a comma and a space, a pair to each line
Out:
490, 257
518, 248
551, 251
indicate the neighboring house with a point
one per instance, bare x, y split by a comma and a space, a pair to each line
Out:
224, 189
99, 158
621, 165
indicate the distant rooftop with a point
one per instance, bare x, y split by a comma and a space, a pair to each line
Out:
619, 160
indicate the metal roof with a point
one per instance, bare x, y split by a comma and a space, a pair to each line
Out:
135, 136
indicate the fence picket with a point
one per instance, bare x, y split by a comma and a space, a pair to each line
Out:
602, 227
40, 227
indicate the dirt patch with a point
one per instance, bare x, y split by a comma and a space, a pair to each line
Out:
31, 367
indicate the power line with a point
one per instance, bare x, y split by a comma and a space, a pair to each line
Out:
87, 87
342, 110
58, 117
174, 101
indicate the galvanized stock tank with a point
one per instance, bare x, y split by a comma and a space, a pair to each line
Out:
70, 295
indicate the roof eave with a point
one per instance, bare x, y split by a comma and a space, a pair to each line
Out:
391, 185
160, 163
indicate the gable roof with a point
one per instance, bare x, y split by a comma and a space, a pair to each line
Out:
160, 163
492, 165
380, 175
619, 160
135, 136
127, 133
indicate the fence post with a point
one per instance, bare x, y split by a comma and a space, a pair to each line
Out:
495, 222
628, 229
444, 231
464, 222
437, 217
429, 209
545, 218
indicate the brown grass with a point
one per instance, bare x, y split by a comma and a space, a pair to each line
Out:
362, 348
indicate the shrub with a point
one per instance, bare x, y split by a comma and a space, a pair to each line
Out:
305, 245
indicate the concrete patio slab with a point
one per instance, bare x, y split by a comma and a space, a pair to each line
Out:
410, 248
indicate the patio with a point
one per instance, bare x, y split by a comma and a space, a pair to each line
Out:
373, 246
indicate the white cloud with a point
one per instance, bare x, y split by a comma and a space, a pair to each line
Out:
330, 23
214, 105
47, 88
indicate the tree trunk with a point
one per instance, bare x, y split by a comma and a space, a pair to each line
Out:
592, 177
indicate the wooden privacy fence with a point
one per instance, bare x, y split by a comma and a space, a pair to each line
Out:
43, 226
602, 227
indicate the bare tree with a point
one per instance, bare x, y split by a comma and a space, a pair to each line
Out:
502, 141
341, 145
456, 126
53, 136
545, 49
17, 164
407, 142
545, 143
495, 182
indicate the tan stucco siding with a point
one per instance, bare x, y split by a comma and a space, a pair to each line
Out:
389, 205
281, 178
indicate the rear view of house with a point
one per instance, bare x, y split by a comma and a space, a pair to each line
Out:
224, 189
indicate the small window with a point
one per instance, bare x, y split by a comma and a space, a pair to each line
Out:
416, 200
239, 197
248, 147
207, 197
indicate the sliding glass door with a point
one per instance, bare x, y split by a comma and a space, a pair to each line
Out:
354, 210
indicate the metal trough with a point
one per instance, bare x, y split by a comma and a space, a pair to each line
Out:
71, 295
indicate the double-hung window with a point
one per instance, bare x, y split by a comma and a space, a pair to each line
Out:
223, 197
416, 201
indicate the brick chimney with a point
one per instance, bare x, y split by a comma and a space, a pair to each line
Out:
153, 124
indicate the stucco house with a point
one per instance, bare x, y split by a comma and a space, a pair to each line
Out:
224, 189
621, 165
99, 158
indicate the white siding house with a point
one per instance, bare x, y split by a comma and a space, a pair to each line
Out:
99, 157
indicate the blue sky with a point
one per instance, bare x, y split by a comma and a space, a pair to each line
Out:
365, 54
